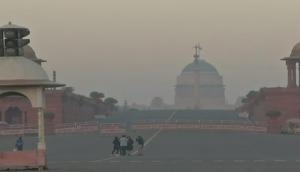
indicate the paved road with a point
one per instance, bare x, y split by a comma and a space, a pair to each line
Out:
174, 151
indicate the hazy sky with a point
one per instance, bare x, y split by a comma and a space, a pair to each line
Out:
135, 49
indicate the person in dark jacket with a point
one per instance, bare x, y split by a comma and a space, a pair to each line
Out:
19, 144
130, 143
116, 148
140, 142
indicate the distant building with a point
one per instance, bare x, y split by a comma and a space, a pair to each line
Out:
200, 86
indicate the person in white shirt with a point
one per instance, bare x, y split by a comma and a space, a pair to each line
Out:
123, 144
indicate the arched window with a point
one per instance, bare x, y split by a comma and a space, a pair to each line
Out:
13, 115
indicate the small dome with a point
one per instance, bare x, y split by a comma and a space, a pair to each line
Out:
20, 68
200, 65
296, 51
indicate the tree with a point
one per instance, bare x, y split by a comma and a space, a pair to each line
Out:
251, 94
110, 101
110, 104
97, 95
69, 90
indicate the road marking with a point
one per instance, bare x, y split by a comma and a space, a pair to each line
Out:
160, 130
156, 161
114, 161
156, 133
53, 162
105, 159
238, 160
152, 137
197, 161
135, 161
298, 160
279, 160
258, 160
171, 116
218, 161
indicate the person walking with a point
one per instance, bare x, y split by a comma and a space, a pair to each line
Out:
140, 142
116, 148
123, 144
19, 144
130, 143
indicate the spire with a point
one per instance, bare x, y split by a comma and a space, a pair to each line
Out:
197, 51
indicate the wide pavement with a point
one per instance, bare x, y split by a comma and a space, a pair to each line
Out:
174, 151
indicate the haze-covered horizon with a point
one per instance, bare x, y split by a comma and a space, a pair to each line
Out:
135, 49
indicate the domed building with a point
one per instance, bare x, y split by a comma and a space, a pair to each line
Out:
22, 79
199, 86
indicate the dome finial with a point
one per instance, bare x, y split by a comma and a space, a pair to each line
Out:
197, 51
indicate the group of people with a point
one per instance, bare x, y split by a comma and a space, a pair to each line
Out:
124, 145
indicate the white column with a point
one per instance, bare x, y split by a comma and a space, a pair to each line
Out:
41, 130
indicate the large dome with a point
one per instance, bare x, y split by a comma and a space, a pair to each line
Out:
200, 65
199, 86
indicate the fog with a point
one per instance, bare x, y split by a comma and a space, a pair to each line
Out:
135, 49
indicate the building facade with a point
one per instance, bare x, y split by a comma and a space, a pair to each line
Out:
62, 105
285, 100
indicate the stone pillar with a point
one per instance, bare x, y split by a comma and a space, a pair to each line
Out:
294, 79
41, 130
291, 66
289, 74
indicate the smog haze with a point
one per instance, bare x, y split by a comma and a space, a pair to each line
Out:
135, 49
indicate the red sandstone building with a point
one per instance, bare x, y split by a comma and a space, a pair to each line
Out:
286, 100
62, 106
